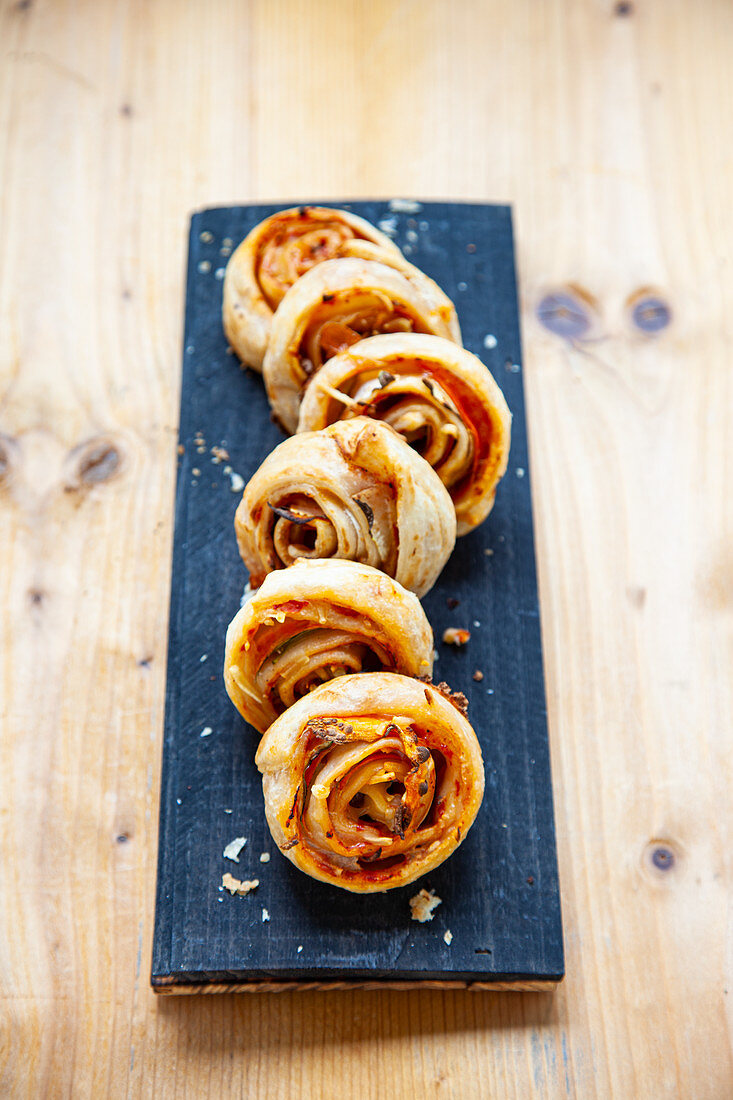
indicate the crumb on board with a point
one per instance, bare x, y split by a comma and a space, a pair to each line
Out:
520, 471
476, 623
206, 732
181, 449
220, 455
204, 267
489, 552
237, 482
234, 847
423, 905
448, 936
405, 206
265, 915
206, 236
478, 675
300, 947
264, 857
490, 340
203, 657
234, 886
229, 811
456, 635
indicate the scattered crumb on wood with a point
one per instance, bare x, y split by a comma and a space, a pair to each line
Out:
456, 635
206, 732
234, 847
478, 675
237, 483
423, 905
265, 915
489, 552
448, 937
234, 886
265, 857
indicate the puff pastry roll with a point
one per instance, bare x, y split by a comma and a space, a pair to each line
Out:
313, 622
274, 255
333, 306
370, 781
355, 490
437, 395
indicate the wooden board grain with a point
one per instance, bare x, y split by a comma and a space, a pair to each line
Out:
500, 889
609, 133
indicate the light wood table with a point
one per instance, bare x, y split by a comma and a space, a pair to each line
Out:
609, 127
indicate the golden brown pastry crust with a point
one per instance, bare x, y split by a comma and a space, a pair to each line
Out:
336, 304
274, 255
370, 781
355, 490
313, 622
437, 395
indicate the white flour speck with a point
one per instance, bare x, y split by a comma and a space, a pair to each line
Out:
405, 206
520, 471
490, 340
265, 915
206, 732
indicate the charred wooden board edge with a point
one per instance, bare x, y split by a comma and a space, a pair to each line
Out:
170, 979
173, 986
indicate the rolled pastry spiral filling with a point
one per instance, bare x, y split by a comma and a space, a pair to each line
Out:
335, 305
439, 397
317, 621
371, 780
275, 254
293, 246
354, 491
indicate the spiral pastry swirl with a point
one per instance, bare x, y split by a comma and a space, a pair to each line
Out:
439, 397
274, 255
356, 491
370, 781
335, 305
313, 622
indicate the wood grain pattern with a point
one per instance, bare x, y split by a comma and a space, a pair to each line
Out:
608, 126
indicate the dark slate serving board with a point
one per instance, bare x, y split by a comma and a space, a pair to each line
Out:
500, 890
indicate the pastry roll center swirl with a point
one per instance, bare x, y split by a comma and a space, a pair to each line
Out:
294, 248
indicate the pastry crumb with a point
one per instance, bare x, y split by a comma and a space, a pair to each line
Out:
264, 857
478, 675
237, 483
203, 657
405, 206
300, 947
234, 847
456, 635
265, 915
206, 732
423, 905
234, 886
448, 937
